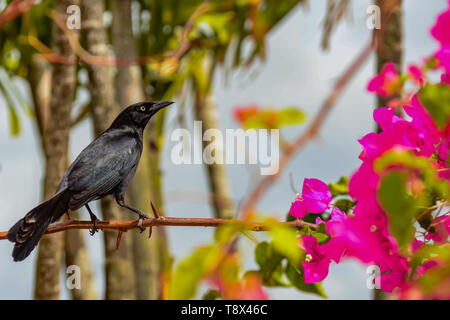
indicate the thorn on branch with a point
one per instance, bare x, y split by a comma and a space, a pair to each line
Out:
119, 237
154, 211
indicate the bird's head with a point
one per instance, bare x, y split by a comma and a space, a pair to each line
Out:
139, 114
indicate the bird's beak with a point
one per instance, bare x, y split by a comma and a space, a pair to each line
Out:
161, 104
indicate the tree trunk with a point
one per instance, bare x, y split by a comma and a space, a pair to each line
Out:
120, 278
219, 185
389, 49
40, 80
56, 140
129, 89
76, 253
390, 39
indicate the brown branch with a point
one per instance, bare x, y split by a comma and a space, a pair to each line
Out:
185, 43
123, 226
312, 130
15, 9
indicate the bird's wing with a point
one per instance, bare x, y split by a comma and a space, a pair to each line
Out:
101, 167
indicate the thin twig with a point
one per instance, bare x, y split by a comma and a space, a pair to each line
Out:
123, 226
185, 43
15, 9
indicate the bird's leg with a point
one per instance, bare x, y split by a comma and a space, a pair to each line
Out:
142, 215
94, 219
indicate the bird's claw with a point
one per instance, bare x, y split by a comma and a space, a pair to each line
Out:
140, 224
94, 228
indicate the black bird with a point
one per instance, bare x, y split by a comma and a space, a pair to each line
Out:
106, 166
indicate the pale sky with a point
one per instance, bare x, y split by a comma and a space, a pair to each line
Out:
296, 73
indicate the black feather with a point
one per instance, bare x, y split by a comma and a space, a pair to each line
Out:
28, 230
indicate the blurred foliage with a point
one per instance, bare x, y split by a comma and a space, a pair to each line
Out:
339, 188
273, 119
409, 186
400, 207
436, 99
219, 266
336, 11
229, 28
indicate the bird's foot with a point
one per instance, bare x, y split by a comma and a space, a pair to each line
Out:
94, 229
142, 216
140, 225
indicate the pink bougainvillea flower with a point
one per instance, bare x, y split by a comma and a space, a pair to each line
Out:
426, 266
362, 238
416, 74
315, 198
445, 78
386, 118
443, 56
416, 245
422, 132
440, 31
355, 235
375, 144
363, 184
395, 277
386, 83
419, 134
318, 258
442, 227
298, 208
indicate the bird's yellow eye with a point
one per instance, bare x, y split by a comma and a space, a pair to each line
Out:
142, 108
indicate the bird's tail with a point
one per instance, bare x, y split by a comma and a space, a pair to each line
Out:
27, 232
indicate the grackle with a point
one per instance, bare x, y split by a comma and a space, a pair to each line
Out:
106, 166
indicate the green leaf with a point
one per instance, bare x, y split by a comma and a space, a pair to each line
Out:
436, 99
14, 123
274, 119
339, 188
399, 205
211, 295
289, 217
297, 279
344, 205
428, 174
257, 121
284, 240
290, 116
190, 271
270, 264
320, 234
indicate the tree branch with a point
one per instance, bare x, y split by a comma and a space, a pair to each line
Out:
123, 226
15, 9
